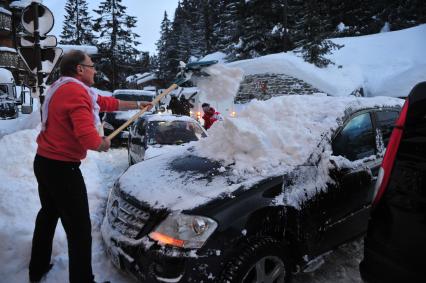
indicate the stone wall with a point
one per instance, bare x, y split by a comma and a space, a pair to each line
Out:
265, 86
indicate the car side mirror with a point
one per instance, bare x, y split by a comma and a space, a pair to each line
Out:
340, 164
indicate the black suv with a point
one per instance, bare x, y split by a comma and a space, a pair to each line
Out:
395, 245
180, 217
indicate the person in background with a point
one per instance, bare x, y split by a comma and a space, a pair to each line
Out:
210, 115
70, 119
174, 105
186, 106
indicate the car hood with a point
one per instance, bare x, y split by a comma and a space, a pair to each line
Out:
156, 150
180, 180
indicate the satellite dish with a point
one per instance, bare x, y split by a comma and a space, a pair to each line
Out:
45, 18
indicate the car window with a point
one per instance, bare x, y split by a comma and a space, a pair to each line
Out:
385, 123
173, 132
356, 140
132, 97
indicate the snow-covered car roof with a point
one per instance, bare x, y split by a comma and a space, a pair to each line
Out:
167, 117
133, 92
268, 138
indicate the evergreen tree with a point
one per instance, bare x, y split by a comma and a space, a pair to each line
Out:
228, 29
400, 14
315, 45
116, 41
164, 51
77, 27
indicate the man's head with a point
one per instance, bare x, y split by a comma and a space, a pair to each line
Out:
78, 64
205, 107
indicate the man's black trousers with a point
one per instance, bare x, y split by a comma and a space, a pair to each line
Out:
63, 196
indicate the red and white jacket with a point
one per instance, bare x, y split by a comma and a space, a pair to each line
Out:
70, 129
210, 117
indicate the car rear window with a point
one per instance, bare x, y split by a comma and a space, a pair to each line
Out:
173, 132
385, 123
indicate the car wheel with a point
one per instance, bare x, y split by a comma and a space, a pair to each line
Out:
258, 261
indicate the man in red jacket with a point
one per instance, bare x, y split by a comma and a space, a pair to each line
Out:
70, 118
210, 115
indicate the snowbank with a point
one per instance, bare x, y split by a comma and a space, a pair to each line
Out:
281, 131
19, 204
390, 63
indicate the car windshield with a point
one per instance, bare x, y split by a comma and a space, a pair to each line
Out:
132, 97
173, 132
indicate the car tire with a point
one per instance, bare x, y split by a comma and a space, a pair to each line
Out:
264, 254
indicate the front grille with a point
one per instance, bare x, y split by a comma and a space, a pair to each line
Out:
125, 217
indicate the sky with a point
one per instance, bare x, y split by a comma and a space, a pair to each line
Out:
149, 15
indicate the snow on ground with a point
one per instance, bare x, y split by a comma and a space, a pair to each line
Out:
19, 204
24, 121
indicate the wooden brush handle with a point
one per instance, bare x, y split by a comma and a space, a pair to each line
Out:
137, 115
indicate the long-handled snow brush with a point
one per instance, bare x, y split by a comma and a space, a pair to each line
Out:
187, 71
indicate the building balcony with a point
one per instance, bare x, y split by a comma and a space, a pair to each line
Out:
5, 22
9, 58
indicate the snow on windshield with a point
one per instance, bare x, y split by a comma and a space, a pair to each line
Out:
282, 131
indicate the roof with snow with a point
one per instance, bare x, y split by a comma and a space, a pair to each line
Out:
383, 64
5, 11
89, 49
141, 78
23, 3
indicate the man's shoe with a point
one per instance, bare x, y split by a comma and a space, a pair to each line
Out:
32, 280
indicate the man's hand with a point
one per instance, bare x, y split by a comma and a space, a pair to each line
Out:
105, 145
131, 105
143, 104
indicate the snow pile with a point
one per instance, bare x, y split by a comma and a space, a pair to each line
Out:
390, 63
282, 131
222, 83
19, 204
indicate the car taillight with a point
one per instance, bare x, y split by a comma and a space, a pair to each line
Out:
389, 158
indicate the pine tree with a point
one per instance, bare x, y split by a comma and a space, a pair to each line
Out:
77, 27
315, 45
116, 41
164, 51
228, 30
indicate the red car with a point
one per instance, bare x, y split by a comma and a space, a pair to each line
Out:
395, 245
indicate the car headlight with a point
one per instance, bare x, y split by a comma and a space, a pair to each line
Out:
184, 231
108, 126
